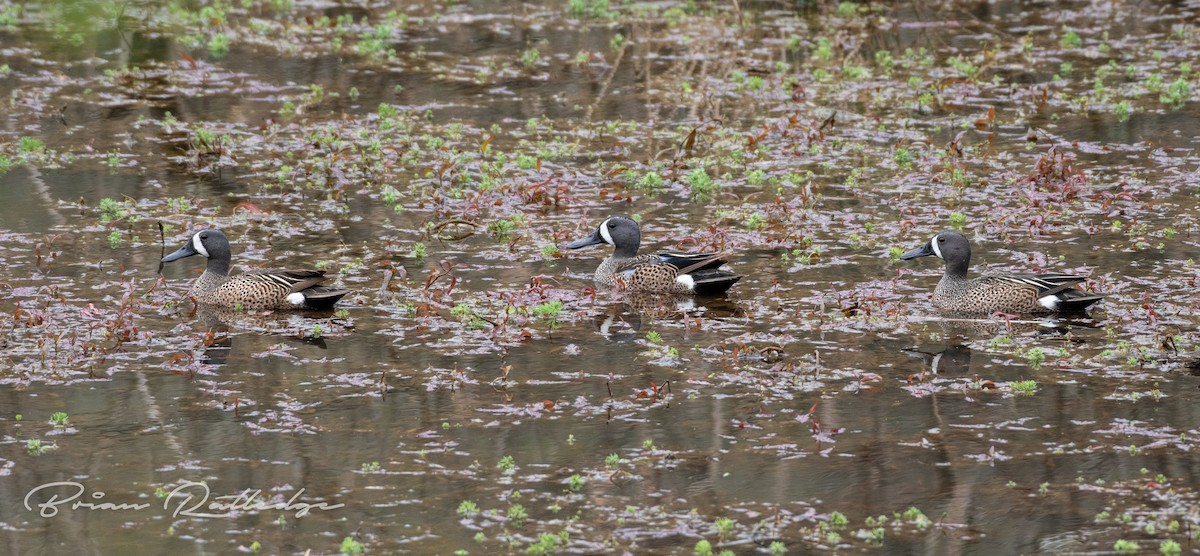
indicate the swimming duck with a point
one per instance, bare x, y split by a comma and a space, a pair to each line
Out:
668, 272
997, 293
255, 289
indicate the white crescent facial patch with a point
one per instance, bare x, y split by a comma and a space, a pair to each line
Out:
199, 245
933, 242
604, 232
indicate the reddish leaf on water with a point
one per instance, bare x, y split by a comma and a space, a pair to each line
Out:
828, 123
690, 142
250, 208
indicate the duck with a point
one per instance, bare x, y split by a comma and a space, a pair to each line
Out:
1010, 293
255, 289
666, 272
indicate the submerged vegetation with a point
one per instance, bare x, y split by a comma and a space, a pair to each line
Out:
477, 394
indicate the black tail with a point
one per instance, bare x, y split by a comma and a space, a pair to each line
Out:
689, 263
1075, 301
322, 297
713, 281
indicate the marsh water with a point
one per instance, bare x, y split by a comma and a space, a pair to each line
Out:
477, 394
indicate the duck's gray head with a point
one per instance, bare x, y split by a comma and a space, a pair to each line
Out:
212, 244
620, 232
950, 246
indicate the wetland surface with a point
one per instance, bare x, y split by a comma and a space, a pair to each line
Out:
476, 394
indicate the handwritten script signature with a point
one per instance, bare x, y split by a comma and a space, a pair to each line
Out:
189, 499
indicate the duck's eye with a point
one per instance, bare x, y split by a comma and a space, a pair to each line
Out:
203, 236
612, 224
941, 240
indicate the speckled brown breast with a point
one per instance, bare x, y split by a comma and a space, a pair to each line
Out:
987, 294
642, 273
659, 278
255, 291
660, 273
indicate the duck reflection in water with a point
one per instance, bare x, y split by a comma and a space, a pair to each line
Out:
218, 342
635, 307
952, 360
957, 329
969, 326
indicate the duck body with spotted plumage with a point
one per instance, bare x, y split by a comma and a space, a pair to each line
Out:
666, 272
1009, 293
254, 290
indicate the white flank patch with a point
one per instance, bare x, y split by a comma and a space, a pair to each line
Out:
1049, 302
296, 298
936, 251
687, 281
199, 245
604, 232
